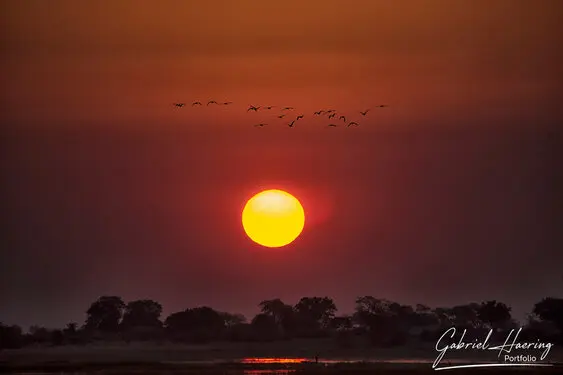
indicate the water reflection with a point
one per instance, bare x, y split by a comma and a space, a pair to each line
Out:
273, 366
325, 361
273, 360
268, 372
322, 361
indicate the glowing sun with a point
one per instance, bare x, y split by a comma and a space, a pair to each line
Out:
273, 218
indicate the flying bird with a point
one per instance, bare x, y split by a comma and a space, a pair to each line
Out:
261, 124
211, 102
332, 125
227, 103
281, 116
196, 103
291, 124
299, 117
331, 115
269, 107
353, 123
253, 108
318, 113
179, 105
330, 110
382, 106
287, 108
343, 118
364, 112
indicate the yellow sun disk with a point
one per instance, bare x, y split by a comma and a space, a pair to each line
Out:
273, 218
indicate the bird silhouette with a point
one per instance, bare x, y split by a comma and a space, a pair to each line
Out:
353, 123
269, 107
342, 118
179, 105
332, 115
330, 111
253, 108
287, 108
261, 124
332, 125
227, 103
317, 113
364, 112
382, 106
299, 117
196, 103
281, 116
211, 102
291, 124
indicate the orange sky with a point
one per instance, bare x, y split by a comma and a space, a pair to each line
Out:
126, 61
386, 211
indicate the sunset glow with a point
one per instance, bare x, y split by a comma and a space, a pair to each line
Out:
141, 141
273, 218
274, 360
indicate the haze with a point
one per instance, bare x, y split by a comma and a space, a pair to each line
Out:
451, 193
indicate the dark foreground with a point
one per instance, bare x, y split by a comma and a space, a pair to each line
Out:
260, 369
295, 358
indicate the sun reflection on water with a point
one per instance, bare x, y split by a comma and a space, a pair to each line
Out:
268, 372
273, 360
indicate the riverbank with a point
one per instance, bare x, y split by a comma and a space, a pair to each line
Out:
297, 355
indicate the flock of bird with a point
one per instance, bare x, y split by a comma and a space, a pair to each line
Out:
331, 114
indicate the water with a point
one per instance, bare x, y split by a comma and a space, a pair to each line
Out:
287, 360
282, 364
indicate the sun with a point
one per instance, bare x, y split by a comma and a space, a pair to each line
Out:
273, 218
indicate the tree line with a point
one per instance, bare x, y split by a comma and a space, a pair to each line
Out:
376, 321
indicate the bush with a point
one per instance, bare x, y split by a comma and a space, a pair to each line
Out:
11, 337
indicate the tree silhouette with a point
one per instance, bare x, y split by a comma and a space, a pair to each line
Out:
551, 310
39, 334
466, 316
444, 316
316, 312
71, 328
425, 317
265, 327
57, 337
283, 315
199, 324
232, 320
105, 314
386, 322
11, 337
494, 314
275, 308
236, 327
342, 329
179, 324
342, 323
382, 321
142, 313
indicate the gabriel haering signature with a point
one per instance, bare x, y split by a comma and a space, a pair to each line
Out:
507, 347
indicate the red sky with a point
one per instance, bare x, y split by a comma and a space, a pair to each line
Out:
109, 189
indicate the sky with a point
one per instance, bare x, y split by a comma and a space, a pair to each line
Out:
449, 195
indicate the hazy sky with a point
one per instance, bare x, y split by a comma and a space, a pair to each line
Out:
447, 196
